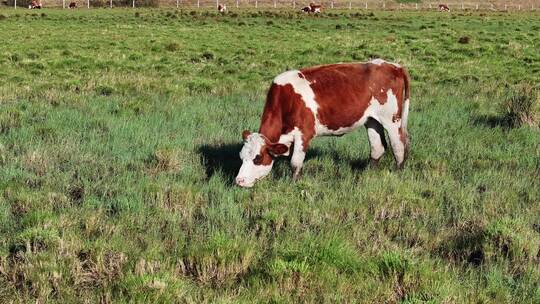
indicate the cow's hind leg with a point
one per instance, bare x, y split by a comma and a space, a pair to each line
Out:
398, 141
377, 141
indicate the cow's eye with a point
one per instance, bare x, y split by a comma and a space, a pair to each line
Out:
257, 160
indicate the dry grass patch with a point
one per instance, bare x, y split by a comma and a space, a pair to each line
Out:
165, 160
218, 262
521, 105
100, 269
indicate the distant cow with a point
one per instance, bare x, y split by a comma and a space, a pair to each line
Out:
72, 4
312, 8
222, 8
315, 8
35, 4
328, 100
444, 8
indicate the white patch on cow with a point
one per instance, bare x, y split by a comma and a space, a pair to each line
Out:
380, 61
384, 112
249, 172
301, 87
299, 155
377, 61
405, 114
297, 159
288, 138
375, 140
398, 147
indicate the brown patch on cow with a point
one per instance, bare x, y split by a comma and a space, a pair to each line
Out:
404, 138
268, 151
265, 157
284, 110
344, 91
245, 134
396, 117
277, 149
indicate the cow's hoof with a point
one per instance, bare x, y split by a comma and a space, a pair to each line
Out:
374, 163
296, 176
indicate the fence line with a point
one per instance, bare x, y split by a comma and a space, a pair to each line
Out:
327, 4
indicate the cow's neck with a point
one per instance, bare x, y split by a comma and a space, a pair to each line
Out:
271, 129
272, 120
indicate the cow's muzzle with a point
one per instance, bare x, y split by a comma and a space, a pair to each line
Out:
240, 181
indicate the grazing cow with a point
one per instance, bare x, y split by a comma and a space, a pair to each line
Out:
315, 8
222, 8
35, 4
444, 8
328, 100
72, 4
312, 8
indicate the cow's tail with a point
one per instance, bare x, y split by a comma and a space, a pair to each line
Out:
405, 111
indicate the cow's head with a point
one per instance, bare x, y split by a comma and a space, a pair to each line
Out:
257, 158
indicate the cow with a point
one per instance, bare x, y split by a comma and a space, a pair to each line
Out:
222, 8
72, 4
312, 8
315, 8
35, 4
328, 100
443, 8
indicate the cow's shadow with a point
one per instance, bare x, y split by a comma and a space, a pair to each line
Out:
225, 158
359, 164
222, 158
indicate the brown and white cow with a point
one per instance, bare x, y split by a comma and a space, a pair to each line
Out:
315, 8
444, 8
312, 8
35, 4
328, 100
222, 8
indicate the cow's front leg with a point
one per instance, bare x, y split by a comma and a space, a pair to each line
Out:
299, 154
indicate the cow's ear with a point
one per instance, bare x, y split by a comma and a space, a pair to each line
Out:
277, 149
245, 134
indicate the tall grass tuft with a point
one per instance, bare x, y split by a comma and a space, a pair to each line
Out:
522, 105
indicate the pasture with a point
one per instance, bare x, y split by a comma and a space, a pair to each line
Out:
119, 140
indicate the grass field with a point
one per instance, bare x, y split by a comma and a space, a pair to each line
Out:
119, 140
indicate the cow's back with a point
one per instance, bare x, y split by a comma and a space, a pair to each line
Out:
344, 92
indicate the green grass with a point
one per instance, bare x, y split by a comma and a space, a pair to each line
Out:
119, 141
